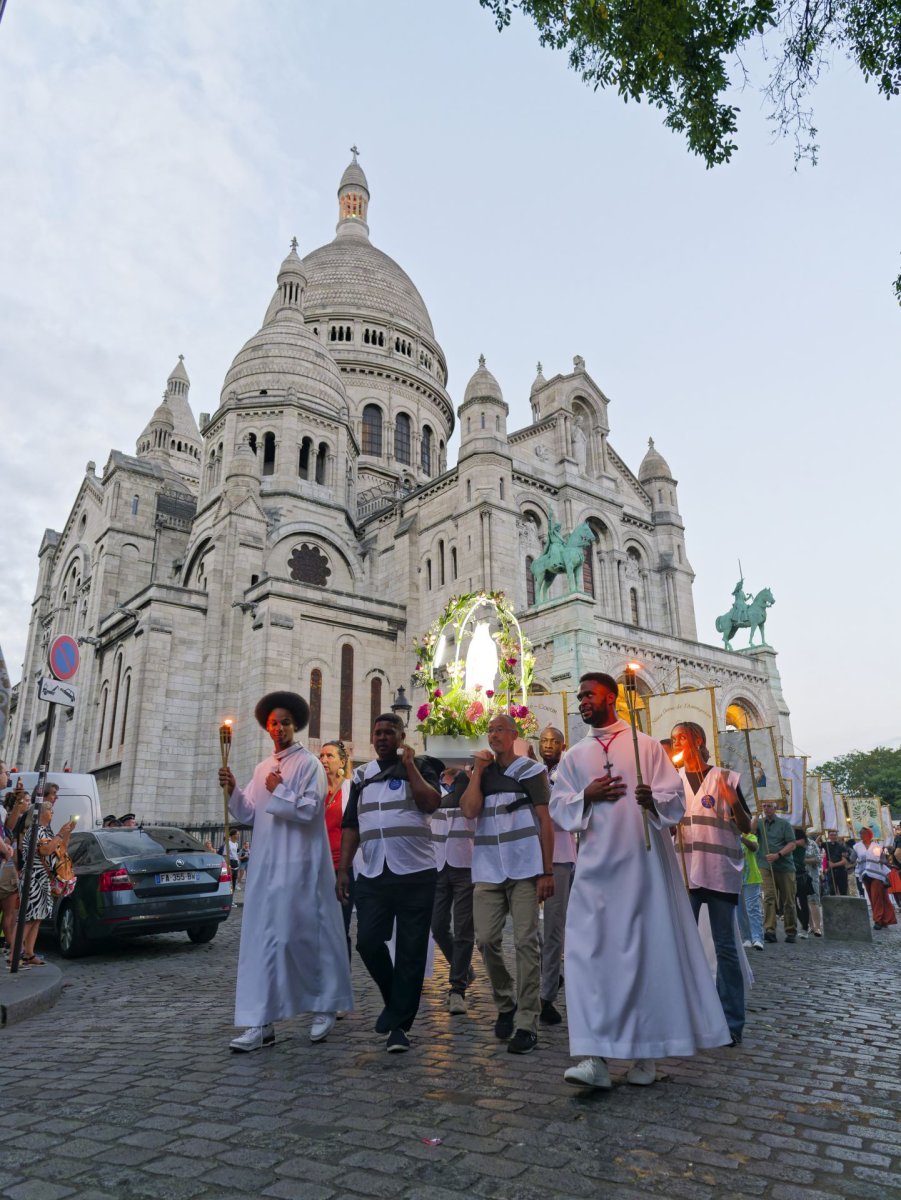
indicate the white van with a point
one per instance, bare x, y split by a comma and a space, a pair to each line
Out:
77, 795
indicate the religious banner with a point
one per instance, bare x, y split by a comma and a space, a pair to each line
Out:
865, 810
550, 708
671, 708
752, 752
812, 804
794, 776
888, 828
833, 815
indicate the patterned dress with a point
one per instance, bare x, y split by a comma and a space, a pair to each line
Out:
39, 903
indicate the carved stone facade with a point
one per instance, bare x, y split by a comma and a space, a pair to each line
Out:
311, 526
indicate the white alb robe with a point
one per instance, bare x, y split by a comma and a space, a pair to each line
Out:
293, 955
637, 982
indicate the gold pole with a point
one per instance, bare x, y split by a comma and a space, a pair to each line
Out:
225, 745
630, 685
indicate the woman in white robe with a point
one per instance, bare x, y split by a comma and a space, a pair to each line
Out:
293, 955
637, 981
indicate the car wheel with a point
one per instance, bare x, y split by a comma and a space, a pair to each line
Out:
72, 941
203, 933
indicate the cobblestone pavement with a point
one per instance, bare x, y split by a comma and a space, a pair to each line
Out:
127, 1091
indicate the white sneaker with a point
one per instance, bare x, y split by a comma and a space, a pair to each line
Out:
341, 1014
323, 1024
643, 1073
802, 933
254, 1038
456, 1004
747, 943
758, 945
590, 1072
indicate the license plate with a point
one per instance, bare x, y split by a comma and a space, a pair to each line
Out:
177, 877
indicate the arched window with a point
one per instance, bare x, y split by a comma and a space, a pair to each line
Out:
346, 714
501, 488
633, 605
441, 564
453, 562
269, 454
104, 697
321, 462
403, 441
428, 573
375, 700
315, 703
303, 461
372, 430
112, 721
126, 698
134, 506
588, 569
482, 421
530, 582
468, 489
425, 456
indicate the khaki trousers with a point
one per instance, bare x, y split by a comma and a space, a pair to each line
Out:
491, 903
784, 885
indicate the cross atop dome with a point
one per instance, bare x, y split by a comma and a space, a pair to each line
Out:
354, 151
294, 244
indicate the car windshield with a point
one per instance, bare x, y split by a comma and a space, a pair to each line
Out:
128, 843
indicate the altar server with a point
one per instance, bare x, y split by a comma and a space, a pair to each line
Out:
293, 957
638, 985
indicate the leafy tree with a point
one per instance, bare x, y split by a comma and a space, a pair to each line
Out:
684, 56
868, 772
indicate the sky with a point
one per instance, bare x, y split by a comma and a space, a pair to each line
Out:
157, 159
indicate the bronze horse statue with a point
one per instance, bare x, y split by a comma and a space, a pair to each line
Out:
745, 616
561, 556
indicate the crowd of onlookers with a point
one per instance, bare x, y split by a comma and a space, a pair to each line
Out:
52, 875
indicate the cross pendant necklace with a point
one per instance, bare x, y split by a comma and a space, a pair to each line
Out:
605, 746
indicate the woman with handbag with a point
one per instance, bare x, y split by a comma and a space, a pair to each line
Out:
39, 901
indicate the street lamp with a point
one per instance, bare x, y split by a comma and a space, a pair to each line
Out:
401, 706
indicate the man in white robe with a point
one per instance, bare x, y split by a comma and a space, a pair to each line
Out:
293, 956
637, 982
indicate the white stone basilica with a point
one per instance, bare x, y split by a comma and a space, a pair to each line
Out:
309, 528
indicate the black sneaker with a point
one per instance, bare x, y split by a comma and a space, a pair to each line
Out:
522, 1042
769, 937
503, 1026
397, 1042
549, 1014
790, 938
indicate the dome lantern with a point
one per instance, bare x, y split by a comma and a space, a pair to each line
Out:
353, 200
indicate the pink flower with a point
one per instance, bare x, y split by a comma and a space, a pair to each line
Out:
518, 711
489, 693
437, 692
475, 710
511, 662
423, 711
478, 688
419, 666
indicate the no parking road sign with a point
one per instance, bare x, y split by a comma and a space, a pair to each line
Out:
63, 657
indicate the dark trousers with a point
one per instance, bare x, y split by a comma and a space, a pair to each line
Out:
408, 901
730, 984
837, 879
453, 894
801, 906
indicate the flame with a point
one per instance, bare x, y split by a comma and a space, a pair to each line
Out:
678, 758
633, 666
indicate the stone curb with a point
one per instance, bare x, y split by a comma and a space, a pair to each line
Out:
28, 992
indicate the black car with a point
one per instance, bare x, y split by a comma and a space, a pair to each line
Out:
138, 881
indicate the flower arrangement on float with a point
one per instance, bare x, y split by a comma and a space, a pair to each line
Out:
494, 677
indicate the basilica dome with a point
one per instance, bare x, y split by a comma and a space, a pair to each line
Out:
653, 465
350, 275
285, 354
